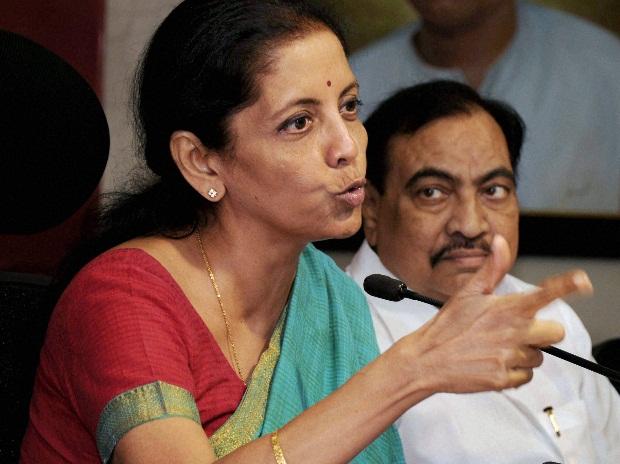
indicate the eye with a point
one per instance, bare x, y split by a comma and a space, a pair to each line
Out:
296, 124
497, 192
351, 107
431, 193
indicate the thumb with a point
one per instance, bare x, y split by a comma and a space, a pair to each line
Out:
492, 271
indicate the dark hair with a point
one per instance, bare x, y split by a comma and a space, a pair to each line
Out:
409, 109
201, 67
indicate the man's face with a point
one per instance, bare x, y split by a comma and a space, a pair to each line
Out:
449, 189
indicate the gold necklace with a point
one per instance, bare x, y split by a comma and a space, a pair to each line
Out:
229, 337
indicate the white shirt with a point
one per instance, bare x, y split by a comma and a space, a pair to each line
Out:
507, 427
561, 74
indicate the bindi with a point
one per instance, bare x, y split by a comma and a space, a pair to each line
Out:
329, 83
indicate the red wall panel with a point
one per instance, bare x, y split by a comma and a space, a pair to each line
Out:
73, 29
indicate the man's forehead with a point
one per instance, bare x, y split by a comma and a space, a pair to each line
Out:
452, 144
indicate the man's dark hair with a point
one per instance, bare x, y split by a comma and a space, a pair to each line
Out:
409, 109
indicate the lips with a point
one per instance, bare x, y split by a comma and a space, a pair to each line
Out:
354, 194
465, 253
468, 258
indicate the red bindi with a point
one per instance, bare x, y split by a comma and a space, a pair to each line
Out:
329, 83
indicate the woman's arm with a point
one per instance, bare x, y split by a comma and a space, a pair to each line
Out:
477, 342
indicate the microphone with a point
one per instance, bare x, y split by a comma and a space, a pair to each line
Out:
387, 288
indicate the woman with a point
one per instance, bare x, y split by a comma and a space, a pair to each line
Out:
212, 313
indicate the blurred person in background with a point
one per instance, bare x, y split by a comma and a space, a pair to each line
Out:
558, 71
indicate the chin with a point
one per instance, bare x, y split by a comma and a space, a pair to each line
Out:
343, 230
454, 284
339, 235
352, 226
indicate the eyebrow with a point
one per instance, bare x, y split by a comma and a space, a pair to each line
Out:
441, 174
430, 172
499, 172
313, 101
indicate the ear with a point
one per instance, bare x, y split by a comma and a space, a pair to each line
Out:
198, 164
370, 213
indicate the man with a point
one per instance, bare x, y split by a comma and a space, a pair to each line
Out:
442, 168
559, 72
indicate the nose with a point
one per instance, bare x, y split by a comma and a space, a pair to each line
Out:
342, 146
468, 217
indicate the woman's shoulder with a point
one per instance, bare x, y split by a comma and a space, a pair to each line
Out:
122, 296
138, 260
126, 266
124, 277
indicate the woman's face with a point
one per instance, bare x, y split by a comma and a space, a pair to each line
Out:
298, 154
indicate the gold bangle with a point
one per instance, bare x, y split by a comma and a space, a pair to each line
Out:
277, 449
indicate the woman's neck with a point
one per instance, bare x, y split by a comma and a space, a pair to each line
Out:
255, 271
473, 48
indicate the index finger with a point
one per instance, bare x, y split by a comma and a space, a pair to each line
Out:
555, 287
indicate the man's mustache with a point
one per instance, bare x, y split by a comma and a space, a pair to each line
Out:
460, 241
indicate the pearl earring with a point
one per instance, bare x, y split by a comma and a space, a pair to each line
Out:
212, 193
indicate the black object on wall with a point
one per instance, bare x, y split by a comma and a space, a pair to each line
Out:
54, 142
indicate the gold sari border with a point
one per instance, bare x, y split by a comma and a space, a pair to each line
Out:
246, 422
156, 400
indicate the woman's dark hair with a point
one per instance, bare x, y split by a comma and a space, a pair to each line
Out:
409, 109
201, 66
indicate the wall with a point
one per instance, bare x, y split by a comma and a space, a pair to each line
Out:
127, 29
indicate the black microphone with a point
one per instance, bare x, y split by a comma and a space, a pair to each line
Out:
387, 288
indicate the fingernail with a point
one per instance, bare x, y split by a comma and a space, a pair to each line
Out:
582, 281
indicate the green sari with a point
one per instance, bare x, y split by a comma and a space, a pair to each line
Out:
324, 337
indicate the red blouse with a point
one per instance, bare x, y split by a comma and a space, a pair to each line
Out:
123, 322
